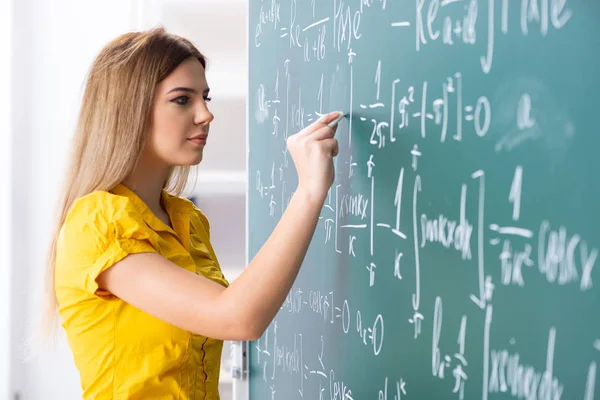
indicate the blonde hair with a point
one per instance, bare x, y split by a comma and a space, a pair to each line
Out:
111, 133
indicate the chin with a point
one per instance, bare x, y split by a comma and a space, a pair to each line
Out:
182, 157
185, 162
192, 162
197, 160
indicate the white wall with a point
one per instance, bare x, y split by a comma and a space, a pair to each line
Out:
5, 200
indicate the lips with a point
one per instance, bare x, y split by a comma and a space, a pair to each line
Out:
199, 139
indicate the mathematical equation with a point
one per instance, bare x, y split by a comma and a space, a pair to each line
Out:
395, 233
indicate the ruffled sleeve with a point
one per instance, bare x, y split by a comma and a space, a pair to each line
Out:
100, 230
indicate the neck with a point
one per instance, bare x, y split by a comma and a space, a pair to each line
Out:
148, 185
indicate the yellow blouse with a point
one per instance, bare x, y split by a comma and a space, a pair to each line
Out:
122, 352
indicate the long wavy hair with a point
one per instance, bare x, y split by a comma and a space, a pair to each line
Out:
111, 133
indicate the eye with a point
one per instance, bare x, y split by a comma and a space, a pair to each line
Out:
207, 99
181, 100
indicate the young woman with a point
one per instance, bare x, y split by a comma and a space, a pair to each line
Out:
131, 269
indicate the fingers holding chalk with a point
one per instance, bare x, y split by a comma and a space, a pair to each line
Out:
325, 126
337, 119
331, 119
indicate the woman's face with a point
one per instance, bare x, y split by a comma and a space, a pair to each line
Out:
180, 116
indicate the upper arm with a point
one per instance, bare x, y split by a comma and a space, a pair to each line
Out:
153, 284
105, 249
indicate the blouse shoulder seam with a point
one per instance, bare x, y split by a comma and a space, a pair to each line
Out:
103, 198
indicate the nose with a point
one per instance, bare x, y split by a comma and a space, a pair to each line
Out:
203, 115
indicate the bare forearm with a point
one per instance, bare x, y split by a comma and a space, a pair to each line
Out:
261, 290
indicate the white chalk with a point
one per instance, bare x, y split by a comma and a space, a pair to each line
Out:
337, 119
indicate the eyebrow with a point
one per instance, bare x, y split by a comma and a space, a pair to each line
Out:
188, 90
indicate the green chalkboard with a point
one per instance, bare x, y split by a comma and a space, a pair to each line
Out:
457, 252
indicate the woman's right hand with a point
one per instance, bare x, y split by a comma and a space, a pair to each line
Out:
312, 150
